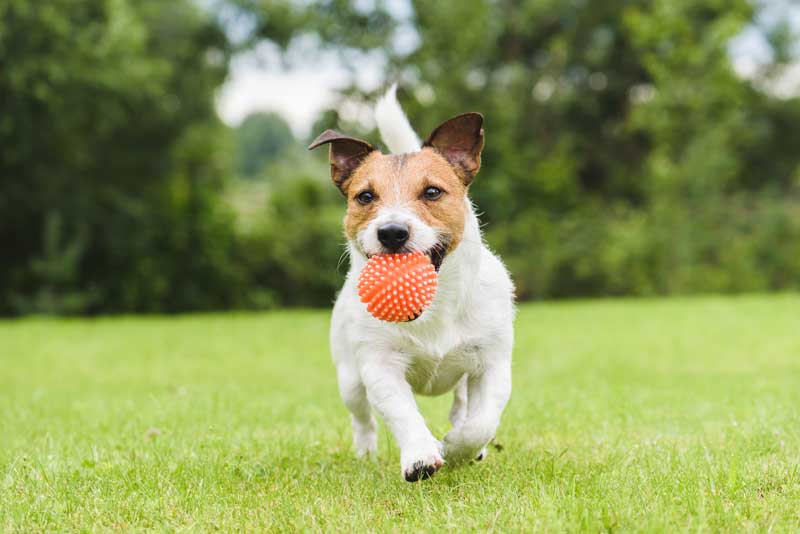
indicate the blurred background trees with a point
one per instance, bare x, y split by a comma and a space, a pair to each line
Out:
113, 159
260, 139
624, 156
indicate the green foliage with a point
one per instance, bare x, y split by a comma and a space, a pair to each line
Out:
56, 273
258, 140
725, 244
652, 416
294, 249
623, 154
106, 118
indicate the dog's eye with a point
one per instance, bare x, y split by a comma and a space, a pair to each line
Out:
432, 193
365, 197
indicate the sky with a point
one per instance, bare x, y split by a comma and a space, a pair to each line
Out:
259, 81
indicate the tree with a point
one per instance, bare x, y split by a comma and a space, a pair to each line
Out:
258, 140
608, 123
107, 123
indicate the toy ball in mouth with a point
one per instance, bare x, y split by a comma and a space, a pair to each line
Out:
397, 287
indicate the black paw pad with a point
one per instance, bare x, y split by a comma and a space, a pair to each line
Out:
420, 471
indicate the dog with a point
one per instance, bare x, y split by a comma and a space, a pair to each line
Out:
415, 199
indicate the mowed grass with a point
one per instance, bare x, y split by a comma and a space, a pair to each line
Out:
630, 415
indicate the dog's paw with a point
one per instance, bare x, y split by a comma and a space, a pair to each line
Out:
459, 455
465, 444
366, 446
421, 463
365, 440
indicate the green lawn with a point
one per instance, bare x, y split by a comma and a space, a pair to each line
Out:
648, 415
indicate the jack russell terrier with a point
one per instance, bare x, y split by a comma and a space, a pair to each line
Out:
415, 199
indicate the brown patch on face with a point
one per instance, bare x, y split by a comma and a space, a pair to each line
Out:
401, 180
346, 154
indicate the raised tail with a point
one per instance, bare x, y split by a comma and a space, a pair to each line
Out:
393, 124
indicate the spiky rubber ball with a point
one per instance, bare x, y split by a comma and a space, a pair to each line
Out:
397, 287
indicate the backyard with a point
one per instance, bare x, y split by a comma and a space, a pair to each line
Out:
678, 414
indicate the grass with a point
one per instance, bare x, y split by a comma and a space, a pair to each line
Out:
630, 415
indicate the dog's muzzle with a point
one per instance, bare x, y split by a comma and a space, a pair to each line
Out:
393, 236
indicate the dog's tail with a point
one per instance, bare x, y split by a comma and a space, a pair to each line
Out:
393, 124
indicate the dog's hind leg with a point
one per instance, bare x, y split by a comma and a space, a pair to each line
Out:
487, 394
458, 412
365, 437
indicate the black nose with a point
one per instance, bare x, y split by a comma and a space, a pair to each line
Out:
393, 236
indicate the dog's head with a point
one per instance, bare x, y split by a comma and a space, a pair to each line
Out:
407, 202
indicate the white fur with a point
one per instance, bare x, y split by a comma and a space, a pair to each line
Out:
421, 236
461, 342
393, 124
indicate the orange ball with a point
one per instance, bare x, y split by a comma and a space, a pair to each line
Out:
397, 287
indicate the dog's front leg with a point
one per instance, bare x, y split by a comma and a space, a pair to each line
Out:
365, 437
487, 395
391, 396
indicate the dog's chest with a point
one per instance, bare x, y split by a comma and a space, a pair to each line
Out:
436, 364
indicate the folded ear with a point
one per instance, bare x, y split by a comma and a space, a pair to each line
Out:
460, 141
346, 154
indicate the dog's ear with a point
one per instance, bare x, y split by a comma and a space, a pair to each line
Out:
346, 154
460, 141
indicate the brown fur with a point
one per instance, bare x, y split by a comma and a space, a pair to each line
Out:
449, 160
460, 141
402, 179
346, 154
